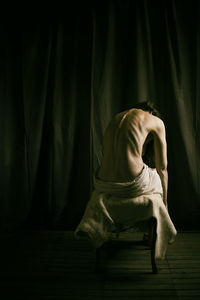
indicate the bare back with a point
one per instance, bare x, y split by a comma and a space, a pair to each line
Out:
124, 142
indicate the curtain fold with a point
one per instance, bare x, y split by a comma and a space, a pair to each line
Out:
62, 81
182, 58
158, 64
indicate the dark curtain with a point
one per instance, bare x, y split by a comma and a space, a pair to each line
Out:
62, 81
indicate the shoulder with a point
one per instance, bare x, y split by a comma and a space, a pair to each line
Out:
155, 126
155, 123
158, 129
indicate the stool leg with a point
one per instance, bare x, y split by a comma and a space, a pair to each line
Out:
101, 254
118, 229
152, 237
98, 261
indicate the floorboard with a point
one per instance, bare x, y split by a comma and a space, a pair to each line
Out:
53, 265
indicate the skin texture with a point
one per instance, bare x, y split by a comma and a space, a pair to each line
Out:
125, 142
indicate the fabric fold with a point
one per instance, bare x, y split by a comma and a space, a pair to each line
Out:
126, 204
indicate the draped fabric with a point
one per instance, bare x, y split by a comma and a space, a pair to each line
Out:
62, 81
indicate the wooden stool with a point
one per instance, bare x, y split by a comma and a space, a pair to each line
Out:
102, 251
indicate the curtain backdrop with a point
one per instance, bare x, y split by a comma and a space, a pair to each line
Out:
62, 81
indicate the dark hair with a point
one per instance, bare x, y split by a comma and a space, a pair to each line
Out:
148, 106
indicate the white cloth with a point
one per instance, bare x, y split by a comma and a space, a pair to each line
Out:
128, 203
146, 183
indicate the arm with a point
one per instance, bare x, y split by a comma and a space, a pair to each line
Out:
160, 147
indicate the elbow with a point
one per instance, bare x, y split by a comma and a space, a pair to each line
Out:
162, 169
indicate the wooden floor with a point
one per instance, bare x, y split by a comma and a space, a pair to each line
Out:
52, 265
